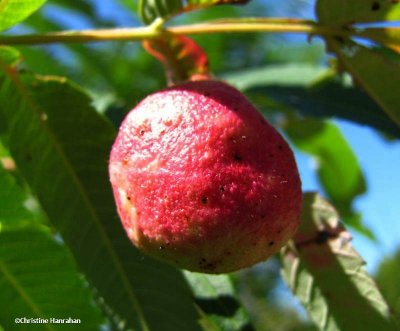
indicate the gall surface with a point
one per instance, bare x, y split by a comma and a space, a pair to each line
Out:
202, 181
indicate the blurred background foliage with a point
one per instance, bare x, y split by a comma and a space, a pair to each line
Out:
119, 74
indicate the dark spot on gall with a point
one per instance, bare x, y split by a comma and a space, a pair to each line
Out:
271, 243
207, 94
222, 189
161, 248
237, 157
128, 198
235, 109
271, 155
210, 266
204, 200
141, 132
280, 147
203, 259
375, 6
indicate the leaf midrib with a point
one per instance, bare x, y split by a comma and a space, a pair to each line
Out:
9, 276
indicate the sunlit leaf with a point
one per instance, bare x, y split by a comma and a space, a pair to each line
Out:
327, 275
297, 74
342, 13
181, 56
15, 11
388, 36
149, 10
376, 70
61, 145
38, 279
386, 277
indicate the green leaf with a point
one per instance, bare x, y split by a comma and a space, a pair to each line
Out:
327, 275
376, 70
342, 13
9, 54
335, 162
387, 279
15, 11
61, 146
280, 75
313, 91
82, 7
150, 10
218, 302
17, 207
38, 279
132, 5
333, 99
387, 36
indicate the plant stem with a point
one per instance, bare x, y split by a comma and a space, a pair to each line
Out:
149, 32
82, 36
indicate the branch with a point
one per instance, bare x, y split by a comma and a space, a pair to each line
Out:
247, 25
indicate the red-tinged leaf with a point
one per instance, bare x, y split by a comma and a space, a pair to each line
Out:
150, 10
327, 275
181, 57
